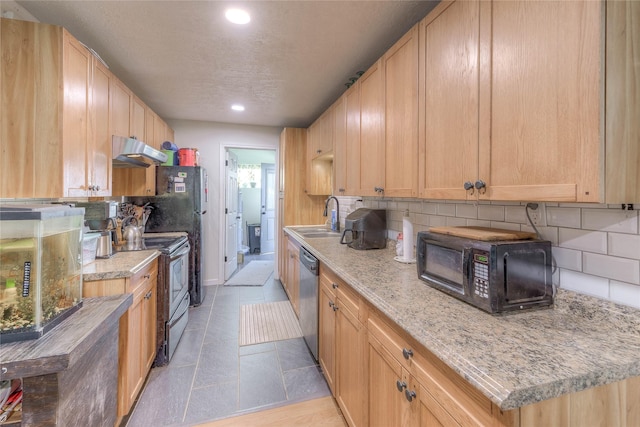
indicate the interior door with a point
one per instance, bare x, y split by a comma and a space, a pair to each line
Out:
231, 213
268, 208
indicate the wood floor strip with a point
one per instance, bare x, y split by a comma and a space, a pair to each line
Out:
267, 322
322, 412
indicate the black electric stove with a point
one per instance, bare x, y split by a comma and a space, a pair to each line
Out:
164, 244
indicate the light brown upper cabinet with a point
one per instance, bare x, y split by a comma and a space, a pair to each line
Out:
340, 146
352, 140
511, 104
320, 155
401, 117
372, 143
53, 125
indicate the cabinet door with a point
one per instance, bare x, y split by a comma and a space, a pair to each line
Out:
351, 367
137, 119
130, 375
120, 106
100, 158
545, 102
388, 382
149, 134
293, 275
449, 72
431, 413
327, 332
352, 144
401, 117
76, 83
340, 147
149, 309
372, 155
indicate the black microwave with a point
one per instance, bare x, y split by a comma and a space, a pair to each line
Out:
495, 276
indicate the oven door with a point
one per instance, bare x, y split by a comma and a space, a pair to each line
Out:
443, 265
178, 277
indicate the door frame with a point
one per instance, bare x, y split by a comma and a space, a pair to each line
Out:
257, 145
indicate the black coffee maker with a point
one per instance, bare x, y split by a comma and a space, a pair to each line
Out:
365, 228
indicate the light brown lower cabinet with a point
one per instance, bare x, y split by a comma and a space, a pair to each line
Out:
380, 376
342, 346
137, 340
291, 277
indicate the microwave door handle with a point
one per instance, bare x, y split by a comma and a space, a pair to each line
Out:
467, 265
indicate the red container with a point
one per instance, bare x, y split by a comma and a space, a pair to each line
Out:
188, 157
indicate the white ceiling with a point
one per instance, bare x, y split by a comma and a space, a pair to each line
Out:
185, 61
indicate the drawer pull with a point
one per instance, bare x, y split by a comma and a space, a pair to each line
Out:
148, 295
334, 285
147, 276
401, 385
407, 353
409, 394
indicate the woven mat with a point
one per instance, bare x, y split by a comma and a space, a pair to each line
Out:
255, 273
267, 322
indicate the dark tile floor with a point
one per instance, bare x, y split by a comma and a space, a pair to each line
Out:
210, 377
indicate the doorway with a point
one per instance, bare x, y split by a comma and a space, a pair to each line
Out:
254, 218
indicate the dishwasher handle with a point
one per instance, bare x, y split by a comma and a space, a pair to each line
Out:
309, 261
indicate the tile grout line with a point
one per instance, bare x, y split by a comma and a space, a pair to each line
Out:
195, 373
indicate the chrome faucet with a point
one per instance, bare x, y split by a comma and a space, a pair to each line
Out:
336, 226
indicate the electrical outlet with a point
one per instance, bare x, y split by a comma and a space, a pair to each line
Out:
539, 215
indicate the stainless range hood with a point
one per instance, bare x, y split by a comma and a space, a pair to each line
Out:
131, 153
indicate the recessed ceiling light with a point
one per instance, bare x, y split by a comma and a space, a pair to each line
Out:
237, 107
237, 16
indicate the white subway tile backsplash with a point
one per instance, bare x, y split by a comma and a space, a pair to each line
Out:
430, 208
625, 293
421, 219
584, 283
622, 269
547, 233
563, 217
618, 221
456, 222
583, 240
447, 209
568, 258
624, 245
437, 221
515, 214
464, 210
491, 212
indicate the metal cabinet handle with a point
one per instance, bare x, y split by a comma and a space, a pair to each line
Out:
481, 186
378, 189
147, 276
407, 353
401, 385
97, 188
148, 295
409, 394
331, 304
335, 307
334, 285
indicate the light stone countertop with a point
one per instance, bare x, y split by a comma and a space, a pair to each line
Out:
514, 359
120, 265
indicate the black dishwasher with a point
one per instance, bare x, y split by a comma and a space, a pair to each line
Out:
309, 300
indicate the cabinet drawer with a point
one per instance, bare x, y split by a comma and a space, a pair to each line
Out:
393, 342
139, 282
349, 300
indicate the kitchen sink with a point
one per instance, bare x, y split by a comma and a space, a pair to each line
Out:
321, 234
315, 232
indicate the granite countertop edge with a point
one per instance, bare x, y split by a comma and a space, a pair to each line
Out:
509, 386
120, 265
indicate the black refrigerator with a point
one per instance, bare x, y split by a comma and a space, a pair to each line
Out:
180, 202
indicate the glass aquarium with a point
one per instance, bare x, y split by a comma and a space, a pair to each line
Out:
40, 268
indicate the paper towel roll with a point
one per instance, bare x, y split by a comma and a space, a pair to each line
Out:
407, 238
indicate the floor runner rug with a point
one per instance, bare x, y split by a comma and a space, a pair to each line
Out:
255, 273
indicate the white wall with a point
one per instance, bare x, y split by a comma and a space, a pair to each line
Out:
210, 139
